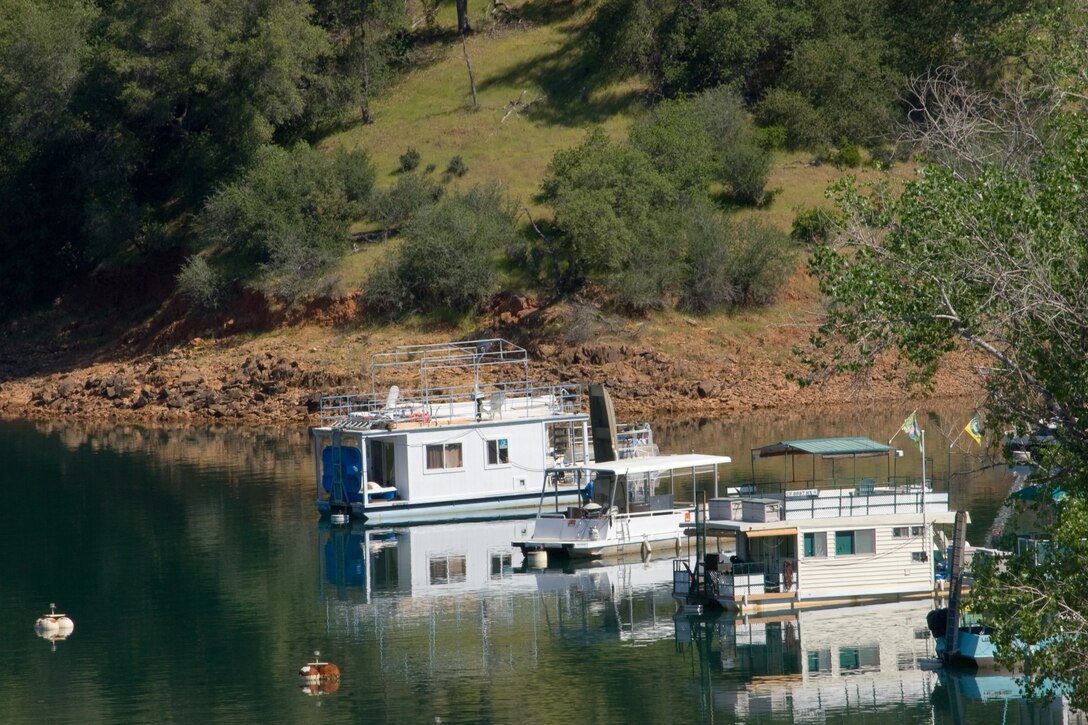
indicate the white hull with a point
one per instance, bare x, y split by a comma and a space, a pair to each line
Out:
641, 534
398, 512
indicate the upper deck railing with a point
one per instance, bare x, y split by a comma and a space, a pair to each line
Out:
451, 382
759, 503
452, 405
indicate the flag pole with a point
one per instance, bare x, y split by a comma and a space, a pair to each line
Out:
925, 529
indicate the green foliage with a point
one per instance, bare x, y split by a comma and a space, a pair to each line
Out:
367, 46
740, 159
673, 136
845, 81
410, 194
745, 170
811, 226
290, 211
447, 259
457, 167
409, 160
849, 155
1038, 598
783, 108
203, 286
117, 118
609, 201
730, 265
708, 44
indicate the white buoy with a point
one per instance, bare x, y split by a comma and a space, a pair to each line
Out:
538, 558
54, 625
646, 549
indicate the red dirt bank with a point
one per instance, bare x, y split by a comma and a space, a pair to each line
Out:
280, 376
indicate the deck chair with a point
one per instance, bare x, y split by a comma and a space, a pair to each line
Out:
498, 399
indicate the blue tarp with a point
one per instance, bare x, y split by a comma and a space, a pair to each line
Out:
351, 462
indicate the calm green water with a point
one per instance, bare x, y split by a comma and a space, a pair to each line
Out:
200, 580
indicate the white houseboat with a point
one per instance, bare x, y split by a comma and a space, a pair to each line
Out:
809, 542
631, 506
464, 433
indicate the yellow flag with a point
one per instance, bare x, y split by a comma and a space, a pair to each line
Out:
974, 429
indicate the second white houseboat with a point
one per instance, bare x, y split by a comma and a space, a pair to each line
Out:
628, 506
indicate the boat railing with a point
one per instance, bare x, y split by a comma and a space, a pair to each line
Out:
452, 404
734, 579
865, 498
636, 442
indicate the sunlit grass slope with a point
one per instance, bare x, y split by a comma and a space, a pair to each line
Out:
542, 61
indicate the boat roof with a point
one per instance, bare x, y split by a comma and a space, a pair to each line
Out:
658, 463
826, 447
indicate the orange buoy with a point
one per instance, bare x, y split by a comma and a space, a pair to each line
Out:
319, 678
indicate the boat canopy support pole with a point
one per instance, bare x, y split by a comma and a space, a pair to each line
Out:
955, 579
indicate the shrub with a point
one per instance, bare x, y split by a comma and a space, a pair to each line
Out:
447, 260
810, 226
849, 155
290, 211
792, 111
201, 284
384, 293
411, 193
882, 157
745, 170
673, 136
740, 159
733, 265
772, 138
762, 259
358, 174
409, 160
457, 166
609, 200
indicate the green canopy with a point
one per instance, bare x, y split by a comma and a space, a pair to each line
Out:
826, 447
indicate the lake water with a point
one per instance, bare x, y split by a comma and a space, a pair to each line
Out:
200, 579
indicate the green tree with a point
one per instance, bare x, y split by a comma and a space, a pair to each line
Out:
448, 257
609, 200
740, 160
846, 81
290, 211
673, 136
365, 43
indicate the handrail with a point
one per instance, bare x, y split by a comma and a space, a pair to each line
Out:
513, 400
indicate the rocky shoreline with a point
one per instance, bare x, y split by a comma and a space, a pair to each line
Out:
265, 382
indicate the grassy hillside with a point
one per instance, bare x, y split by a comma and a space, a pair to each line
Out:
541, 56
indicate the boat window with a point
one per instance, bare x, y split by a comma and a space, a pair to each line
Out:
444, 455
638, 489
498, 452
501, 565
862, 541
903, 532
447, 569
855, 660
816, 544
819, 660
